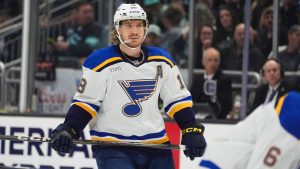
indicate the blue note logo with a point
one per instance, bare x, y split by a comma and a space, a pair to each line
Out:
137, 91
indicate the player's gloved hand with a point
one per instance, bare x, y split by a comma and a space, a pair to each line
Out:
62, 138
192, 137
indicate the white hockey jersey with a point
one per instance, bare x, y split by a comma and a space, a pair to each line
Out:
123, 97
267, 139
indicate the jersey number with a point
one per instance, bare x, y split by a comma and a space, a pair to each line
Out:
180, 82
271, 157
81, 85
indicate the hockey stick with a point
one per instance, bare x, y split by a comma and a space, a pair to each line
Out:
96, 142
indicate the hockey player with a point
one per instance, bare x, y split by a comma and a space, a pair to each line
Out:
267, 139
118, 97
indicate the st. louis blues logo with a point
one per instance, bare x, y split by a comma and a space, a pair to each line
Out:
137, 91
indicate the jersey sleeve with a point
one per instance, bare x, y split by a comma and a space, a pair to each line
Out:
248, 129
90, 91
236, 146
92, 87
174, 93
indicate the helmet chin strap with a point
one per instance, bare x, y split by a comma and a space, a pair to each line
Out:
124, 43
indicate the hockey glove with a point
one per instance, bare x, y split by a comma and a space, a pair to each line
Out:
192, 137
62, 138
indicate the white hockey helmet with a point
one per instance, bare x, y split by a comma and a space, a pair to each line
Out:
129, 11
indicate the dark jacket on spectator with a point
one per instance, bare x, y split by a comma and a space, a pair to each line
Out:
224, 93
232, 60
290, 61
288, 18
265, 44
262, 92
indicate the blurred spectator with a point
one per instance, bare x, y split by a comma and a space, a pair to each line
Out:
236, 110
12, 7
232, 57
4, 16
9, 43
213, 86
238, 7
154, 36
274, 87
153, 10
85, 36
208, 3
182, 4
225, 22
203, 14
290, 57
258, 6
217, 4
288, 15
205, 39
265, 32
171, 20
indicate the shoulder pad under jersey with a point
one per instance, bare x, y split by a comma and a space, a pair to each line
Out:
102, 58
160, 55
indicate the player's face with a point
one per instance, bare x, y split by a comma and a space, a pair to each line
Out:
132, 32
272, 73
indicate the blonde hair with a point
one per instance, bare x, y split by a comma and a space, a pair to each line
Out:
113, 39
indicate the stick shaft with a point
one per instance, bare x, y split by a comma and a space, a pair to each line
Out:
95, 142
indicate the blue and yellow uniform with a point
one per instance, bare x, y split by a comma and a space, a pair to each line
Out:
122, 97
268, 139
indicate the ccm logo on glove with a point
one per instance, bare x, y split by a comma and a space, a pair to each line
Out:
192, 129
192, 137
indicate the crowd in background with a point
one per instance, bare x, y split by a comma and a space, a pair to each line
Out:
10, 9
218, 42
219, 46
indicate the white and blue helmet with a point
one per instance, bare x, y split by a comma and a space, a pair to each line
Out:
128, 12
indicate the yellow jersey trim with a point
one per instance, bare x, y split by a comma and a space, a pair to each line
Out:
92, 112
106, 62
161, 58
179, 107
279, 104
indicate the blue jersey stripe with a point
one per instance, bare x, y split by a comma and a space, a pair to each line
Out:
160, 59
95, 107
188, 98
133, 137
102, 57
155, 51
208, 164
